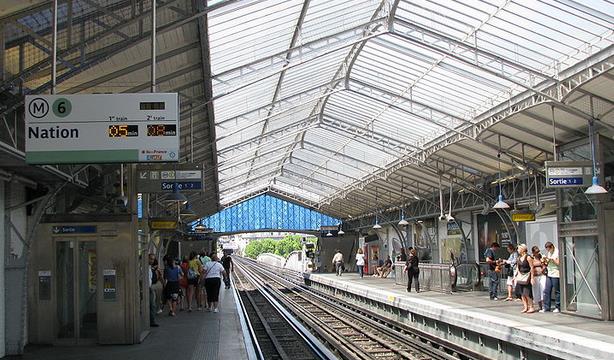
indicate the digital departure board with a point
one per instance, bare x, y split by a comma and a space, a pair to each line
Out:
162, 130
123, 130
102, 128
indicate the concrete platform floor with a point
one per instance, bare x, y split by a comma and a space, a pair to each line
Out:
188, 336
476, 305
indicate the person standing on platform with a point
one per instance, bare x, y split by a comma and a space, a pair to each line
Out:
552, 279
214, 271
227, 264
338, 262
538, 279
493, 276
360, 262
194, 272
523, 278
172, 274
412, 267
153, 278
510, 266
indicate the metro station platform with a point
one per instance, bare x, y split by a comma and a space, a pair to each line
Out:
188, 336
465, 315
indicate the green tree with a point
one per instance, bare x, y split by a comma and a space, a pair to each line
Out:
257, 247
287, 245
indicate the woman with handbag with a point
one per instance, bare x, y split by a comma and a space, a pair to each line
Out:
523, 278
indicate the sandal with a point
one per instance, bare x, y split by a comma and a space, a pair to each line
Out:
531, 311
524, 311
508, 299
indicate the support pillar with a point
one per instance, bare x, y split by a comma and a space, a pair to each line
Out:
2, 257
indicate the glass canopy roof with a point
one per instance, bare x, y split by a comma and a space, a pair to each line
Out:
313, 96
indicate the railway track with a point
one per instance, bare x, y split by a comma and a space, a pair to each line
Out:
352, 333
272, 332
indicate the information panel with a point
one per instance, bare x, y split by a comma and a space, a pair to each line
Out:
561, 174
159, 178
102, 128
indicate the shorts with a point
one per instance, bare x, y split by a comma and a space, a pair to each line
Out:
193, 281
510, 281
172, 290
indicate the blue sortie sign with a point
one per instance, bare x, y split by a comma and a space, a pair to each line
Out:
182, 185
85, 229
565, 181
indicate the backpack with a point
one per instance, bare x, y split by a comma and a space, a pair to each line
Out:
192, 274
154, 276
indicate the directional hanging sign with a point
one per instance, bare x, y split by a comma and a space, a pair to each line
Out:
560, 174
102, 128
164, 178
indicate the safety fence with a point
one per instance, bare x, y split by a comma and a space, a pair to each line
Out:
433, 277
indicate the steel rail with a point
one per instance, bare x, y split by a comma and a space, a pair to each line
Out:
391, 327
312, 342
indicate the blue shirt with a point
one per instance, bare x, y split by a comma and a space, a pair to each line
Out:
172, 274
490, 253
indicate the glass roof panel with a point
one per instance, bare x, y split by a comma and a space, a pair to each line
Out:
307, 108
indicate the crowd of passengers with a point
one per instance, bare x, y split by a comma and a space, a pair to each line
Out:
530, 278
180, 284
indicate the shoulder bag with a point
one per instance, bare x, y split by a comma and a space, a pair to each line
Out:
522, 279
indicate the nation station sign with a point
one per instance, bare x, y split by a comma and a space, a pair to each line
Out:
102, 128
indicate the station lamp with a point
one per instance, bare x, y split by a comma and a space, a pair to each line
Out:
187, 212
340, 232
403, 222
500, 204
175, 197
377, 225
200, 227
595, 188
329, 234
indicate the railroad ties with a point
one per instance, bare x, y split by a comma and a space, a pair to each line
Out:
349, 332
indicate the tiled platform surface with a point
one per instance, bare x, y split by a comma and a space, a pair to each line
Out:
188, 336
560, 335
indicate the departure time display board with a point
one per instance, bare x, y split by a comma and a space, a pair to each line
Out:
162, 130
102, 128
123, 130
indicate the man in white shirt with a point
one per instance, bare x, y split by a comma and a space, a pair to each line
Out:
338, 262
552, 279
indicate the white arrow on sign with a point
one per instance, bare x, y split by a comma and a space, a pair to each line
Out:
143, 175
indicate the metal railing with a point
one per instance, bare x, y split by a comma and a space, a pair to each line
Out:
433, 277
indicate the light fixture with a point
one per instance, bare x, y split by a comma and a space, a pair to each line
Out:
403, 222
595, 188
520, 166
340, 232
175, 196
500, 204
200, 227
441, 215
187, 211
329, 234
377, 225
449, 216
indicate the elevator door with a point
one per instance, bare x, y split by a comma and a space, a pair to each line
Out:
76, 268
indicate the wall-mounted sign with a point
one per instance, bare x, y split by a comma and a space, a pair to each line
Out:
164, 178
102, 128
560, 174
158, 224
109, 281
44, 285
523, 216
83, 229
